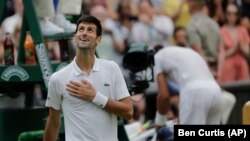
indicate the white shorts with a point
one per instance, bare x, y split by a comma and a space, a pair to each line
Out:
200, 106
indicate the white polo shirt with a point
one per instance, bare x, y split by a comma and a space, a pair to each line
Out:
84, 121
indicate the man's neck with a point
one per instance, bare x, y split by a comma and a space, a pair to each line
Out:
85, 61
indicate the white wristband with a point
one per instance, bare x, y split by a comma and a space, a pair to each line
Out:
100, 100
160, 119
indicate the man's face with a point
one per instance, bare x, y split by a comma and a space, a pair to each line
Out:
180, 37
232, 13
191, 5
145, 8
86, 37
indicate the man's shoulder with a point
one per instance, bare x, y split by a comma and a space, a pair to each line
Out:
108, 65
105, 62
164, 51
207, 25
62, 72
201, 20
65, 68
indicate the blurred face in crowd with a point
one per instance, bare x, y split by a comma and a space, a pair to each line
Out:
232, 14
146, 8
191, 5
245, 22
100, 12
195, 5
218, 2
180, 37
125, 10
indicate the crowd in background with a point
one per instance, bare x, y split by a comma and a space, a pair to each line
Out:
165, 23
162, 22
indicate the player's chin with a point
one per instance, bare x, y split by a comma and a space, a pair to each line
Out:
83, 46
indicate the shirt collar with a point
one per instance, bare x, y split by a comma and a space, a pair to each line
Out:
78, 71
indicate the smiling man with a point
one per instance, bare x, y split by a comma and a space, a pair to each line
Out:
91, 92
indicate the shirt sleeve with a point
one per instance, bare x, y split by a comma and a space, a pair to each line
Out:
53, 97
120, 87
158, 65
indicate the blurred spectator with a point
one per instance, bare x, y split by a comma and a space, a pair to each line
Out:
112, 44
217, 10
245, 6
157, 6
125, 22
245, 21
236, 45
112, 6
178, 10
134, 7
86, 6
203, 35
9, 23
152, 29
180, 36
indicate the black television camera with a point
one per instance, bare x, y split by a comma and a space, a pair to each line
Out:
139, 60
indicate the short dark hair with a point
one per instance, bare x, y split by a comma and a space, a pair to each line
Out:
92, 20
178, 28
200, 3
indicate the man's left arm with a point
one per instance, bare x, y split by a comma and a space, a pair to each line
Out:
121, 105
122, 108
162, 103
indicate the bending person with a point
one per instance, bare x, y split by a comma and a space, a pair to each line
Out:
200, 94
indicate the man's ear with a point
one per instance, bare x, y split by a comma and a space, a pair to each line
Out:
98, 40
